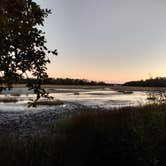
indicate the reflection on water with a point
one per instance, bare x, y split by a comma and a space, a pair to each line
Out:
90, 97
103, 98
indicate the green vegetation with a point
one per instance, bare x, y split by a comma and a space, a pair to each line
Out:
152, 82
130, 136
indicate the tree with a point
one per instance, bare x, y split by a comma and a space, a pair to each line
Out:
22, 44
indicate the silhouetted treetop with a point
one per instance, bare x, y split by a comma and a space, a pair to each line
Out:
22, 43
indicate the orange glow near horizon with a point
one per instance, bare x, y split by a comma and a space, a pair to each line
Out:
117, 44
112, 78
109, 77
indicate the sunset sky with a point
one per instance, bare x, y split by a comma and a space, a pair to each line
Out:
107, 40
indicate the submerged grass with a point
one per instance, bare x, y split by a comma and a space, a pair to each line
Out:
49, 102
9, 100
130, 136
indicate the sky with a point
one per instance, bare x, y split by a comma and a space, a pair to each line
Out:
106, 40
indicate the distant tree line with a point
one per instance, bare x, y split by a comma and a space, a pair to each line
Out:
152, 82
62, 81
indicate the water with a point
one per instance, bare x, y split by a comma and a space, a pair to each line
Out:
102, 98
105, 98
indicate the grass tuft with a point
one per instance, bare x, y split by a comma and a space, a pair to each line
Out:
8, 100
49, 102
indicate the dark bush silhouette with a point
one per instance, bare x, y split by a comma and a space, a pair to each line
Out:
152, 82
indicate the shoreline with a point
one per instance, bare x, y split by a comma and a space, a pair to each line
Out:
113, 87
136, 88
29, 123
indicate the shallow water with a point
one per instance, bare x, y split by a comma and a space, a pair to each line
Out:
105, 98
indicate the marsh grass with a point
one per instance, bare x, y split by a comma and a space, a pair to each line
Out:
15, 94
130, 136
49, 102
9, 100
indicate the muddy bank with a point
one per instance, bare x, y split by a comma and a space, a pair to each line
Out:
27, 123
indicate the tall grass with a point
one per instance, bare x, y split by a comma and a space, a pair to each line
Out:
133, 136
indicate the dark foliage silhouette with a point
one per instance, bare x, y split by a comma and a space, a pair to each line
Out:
64, 81
22, 44
152, 82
